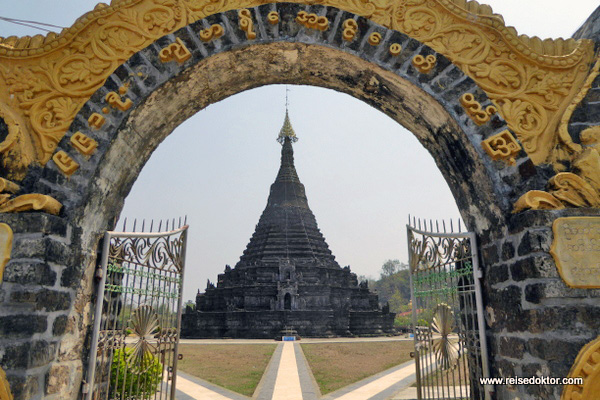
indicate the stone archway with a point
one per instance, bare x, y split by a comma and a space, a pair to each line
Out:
76, 153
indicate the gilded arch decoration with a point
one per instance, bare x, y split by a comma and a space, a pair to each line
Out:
534, 85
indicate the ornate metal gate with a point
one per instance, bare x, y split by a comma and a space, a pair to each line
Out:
138, 315
447, 312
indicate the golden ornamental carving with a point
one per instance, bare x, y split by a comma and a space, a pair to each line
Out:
5, 393
586, 366
7, 186
312, 21
395, 49
424, 64
214, 32
537, 200
349, 29
573, 190
177, 51
246, 24
83, 143
28, 202
475, 111
374, 39
6, 238
66, 164
581, 187
502, 146
273, 17
47, 79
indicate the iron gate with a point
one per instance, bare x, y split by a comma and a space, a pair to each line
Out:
138, 315
447, 313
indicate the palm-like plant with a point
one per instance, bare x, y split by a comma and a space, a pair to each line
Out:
446, 350
144, 323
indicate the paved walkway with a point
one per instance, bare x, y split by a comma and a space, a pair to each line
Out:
288, 377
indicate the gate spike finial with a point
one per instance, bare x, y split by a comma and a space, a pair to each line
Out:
151, 224
143, 224
419, 223
437, 226
185, 220
444, 225
173, 225
459, 224
451, 227
159, 225
430, 225
134, 223
125, 225
179, 222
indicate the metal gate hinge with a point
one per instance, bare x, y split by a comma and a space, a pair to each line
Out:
99, 273
85, 388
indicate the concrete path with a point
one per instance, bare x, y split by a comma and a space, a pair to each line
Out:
288, 377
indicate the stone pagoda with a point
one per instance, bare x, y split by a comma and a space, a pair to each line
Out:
287, 276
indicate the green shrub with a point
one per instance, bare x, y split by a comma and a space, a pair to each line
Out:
138, 381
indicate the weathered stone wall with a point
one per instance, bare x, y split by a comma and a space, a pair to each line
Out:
536, 324
590, 28
41, 315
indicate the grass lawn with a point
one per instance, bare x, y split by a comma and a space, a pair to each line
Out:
335, 365
237, 367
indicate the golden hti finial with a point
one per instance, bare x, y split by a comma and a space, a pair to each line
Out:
286, 129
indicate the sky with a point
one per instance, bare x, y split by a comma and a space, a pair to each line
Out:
362, 171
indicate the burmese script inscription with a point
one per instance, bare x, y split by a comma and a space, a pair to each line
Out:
576, 250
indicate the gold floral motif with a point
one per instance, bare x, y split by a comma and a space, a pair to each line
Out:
96, 120
6, 238
537, 200
374, 39
48, 79
114, 99
28, 202
175, 51
83, 143
502, 146
273, 17
5, 393
246, 24
214, 32
7, 186
65, 163
395, 49
586, 366
312, 21
475, 111
424, 64
350, 27
573, 190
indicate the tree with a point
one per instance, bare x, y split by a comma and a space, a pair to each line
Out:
390, 267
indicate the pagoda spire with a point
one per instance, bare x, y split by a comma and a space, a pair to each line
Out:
286, 130
287, 227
